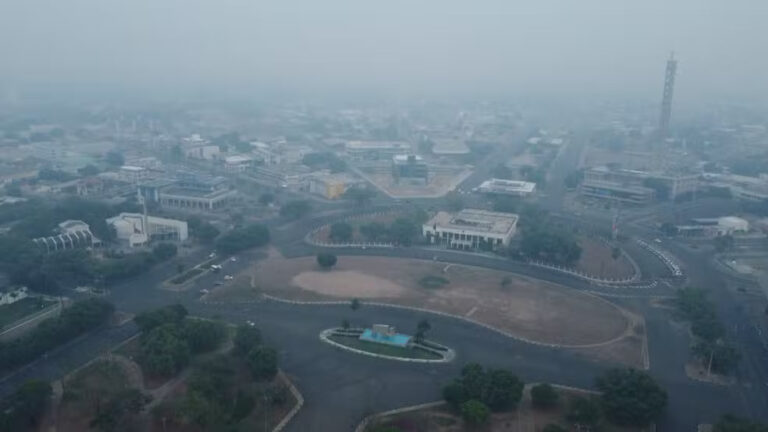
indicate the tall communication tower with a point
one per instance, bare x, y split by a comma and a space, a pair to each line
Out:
666, 100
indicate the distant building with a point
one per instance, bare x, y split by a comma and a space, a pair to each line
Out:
132, 174
330, 186
742, 188
634, 186
713, 227
471, 229
376, 149
195, 192
409, 167
237, 163
507, 187
138, 230
73, 234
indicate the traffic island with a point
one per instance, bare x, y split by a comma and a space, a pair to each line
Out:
383, 343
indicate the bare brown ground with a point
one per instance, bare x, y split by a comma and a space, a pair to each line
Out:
596, 260
526, 308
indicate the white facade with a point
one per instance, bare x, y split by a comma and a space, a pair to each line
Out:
507, 187
207, 152
471, 229
132, 174
731, 225
237, 163
138, 229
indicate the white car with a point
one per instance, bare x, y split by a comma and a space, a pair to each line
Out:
228, 277
233, 259
204, 291
212, 255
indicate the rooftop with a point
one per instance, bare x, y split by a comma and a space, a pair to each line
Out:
193, 192
476, 220
377, 145
406, 158
508, 185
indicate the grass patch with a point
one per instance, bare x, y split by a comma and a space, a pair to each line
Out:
432, 281
189, 274
13, 312
381, 349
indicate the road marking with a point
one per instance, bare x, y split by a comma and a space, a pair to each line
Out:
471, 312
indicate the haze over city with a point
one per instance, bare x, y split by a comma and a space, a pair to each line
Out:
432, 216
552, 48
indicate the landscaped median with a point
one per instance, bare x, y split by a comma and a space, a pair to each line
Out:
417, 351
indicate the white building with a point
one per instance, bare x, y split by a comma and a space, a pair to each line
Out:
731, 225
507, 187
13, 296
471, 229
237, 163
132, 174
376, 149
73, 234
138, 230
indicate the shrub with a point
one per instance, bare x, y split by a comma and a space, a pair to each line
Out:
475, 412
326, 260
544, 396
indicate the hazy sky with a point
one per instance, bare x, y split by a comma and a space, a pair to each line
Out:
414, 46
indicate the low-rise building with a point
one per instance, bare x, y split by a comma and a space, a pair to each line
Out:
138, 230
375, 149
713, 227
507, 187
132, 174
409, 167
471, 229
196, 192
633, 186
237, 163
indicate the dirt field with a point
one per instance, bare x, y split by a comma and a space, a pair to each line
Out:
596, 260
526, 308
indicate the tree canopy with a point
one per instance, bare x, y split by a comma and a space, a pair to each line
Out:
22, 410
544, 396
294, 210
326, 260
631, 397
499, 389
239, 239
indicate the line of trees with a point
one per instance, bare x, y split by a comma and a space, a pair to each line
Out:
23, 410
239, 239
628, 398
710, 347
73, 321
169, 338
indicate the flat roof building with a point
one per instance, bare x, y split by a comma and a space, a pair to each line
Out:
375, 149
237, 163
471, 229
138, 229
409, 167
507, 187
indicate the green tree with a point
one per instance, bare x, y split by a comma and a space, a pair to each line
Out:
171, 314
475, 413
164, 350
326, 260
354, 304
294, 210
341, 232
374, 231
206, 233
203, 335
544, 396
239, 239
246, 339
631, 397
119, 411
503, 390
455, 394
88, 170
345, 324
164, 251
718, 357
361, 196
403, 231
262, 362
